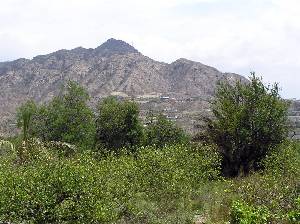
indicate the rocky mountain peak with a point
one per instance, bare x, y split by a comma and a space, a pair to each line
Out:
182, 61
113, 68
113, 46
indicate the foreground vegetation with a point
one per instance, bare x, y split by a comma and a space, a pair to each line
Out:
71, 165
168, 185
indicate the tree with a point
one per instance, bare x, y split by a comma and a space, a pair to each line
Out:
249, 120
161, 132
25, 114
118, 124
66, 118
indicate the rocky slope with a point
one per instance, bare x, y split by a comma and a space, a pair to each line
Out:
294, 117
180, 89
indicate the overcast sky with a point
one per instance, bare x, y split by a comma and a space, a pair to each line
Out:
232, 35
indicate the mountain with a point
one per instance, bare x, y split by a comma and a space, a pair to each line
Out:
294, 117
180, 89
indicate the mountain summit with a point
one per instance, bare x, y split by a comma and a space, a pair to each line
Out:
113, 46
180, 89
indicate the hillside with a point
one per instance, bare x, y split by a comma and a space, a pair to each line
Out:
294, 116
180, 89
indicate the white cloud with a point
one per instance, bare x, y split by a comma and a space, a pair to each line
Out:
238, 36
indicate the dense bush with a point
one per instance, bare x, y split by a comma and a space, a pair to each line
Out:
249, 120
169, 185
275, 190
154, 186
294, 215
278, 186
66, 118
118, 124
163, 132
244, 214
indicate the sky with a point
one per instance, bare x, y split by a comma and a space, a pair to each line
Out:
237, 36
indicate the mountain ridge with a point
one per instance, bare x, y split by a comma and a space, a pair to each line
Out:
115, 67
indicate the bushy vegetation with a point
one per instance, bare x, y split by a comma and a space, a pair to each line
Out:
152, 186
249, 121
161, 132
128, 173
245, 214
66, 118
167, 185
270, 194
118, 124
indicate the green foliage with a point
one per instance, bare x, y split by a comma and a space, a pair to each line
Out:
274, 189
164, 182
118, 124
244, 214
249, 120
169, 185
154, 186
284, 160
294, 216
66, 118
24, 117
278, 186
164, 132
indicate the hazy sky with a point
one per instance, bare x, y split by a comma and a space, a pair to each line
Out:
232, 35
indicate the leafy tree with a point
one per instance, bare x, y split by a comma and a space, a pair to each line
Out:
25, 114
118, 124
162, 132
249, 120
66, 118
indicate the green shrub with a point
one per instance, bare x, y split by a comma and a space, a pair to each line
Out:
284, 160
294, 216
66, 118
151, 186
275, 189
249, 120
244, 214
65, 191
118, 124
164, 132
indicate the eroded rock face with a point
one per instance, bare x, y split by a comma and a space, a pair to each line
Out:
114, 68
